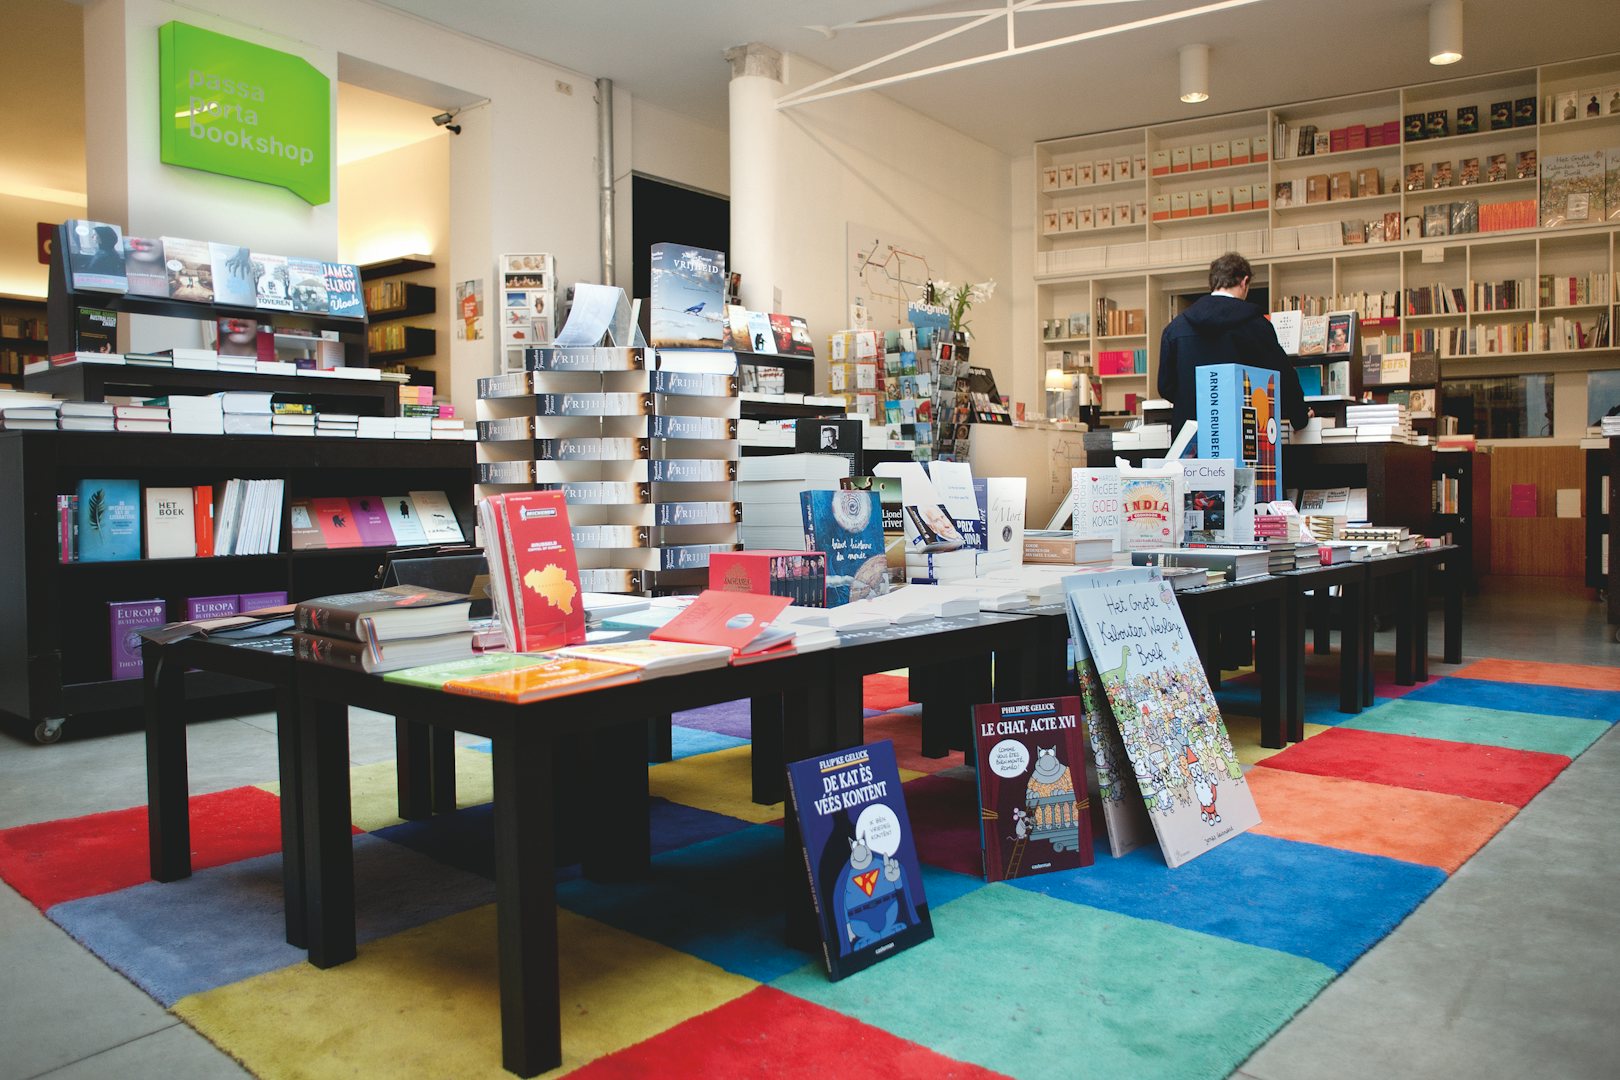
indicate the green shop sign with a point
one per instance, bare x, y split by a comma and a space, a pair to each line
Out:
240, 109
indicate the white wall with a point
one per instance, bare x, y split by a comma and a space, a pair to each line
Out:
524, 180
21, 272
398, 203
865, 159
677, 148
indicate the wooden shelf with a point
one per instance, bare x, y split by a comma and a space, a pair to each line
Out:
1476, 136
1177, 222
1341, 155
1112, 185
1331, 204
93, 382
1199, 174
403, 264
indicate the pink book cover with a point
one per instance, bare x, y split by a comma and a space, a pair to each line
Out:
372, 520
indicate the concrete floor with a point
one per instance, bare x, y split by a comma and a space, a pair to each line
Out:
1511, 969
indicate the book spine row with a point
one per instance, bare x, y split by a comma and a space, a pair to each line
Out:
1501, 295
1573, 290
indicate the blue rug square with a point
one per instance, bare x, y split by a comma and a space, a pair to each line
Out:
465, 839
1522, 697
1319, 902
227, 923
722, 901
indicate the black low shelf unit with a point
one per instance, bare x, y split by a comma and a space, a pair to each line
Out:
419, 300
419, 341
53, 615
1599, 467
94, 382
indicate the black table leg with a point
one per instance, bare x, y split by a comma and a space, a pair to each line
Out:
168, 810
1352, 614
526, 900
847, 723
442, 755
1420, 620
413, 769
661, 738
1322, 622
619, 816
1369, 602
1271, 665
1453, 579
807, 729
328, 842
1404, 614
1293, 643
290, 765
765, 756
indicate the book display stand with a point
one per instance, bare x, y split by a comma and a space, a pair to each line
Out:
642, 444
527, 304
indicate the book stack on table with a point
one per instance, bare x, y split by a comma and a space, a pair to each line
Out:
384, 629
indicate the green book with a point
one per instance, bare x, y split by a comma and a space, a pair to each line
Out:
434, 676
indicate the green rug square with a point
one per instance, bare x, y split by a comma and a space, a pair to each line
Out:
1035, 987
1566, 735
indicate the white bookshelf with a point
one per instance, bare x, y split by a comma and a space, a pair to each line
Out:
1300, 249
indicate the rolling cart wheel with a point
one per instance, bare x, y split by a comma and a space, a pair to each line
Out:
49, 731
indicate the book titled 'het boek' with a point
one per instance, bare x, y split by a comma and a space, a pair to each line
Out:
860, 856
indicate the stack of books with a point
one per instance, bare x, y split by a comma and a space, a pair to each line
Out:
769, 487
292, 418
337, 425
1389, 422
1234, 563
401, 626
1610, 426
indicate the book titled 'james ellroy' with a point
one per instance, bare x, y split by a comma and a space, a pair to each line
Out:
126, 619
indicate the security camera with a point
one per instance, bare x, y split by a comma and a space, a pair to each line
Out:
444, 118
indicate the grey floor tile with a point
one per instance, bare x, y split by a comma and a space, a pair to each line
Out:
175, 1053
65, 1001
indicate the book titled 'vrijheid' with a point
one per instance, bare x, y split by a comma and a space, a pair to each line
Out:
688, 297
126, 620
1238, 418
1034, 810
860, 856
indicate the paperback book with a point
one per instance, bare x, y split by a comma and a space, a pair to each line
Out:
126, 620
860, 856
688, 298
534, 576
271, 288
108, 521
143, 266
1148, 511
191, 269
96, 256
1096, 504
1171, 728
234, 281
1238, 419
343, 296
1034, 811
1206, 499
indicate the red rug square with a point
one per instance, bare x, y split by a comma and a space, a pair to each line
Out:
55, 861
769, 1034
906, 731
886, 692
944, 812
1492, 773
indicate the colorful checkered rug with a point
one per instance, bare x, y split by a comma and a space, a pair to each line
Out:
1125, 968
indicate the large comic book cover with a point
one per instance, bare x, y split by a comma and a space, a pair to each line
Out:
1034, 812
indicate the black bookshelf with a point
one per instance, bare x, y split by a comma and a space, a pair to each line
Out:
419, 300
94, 382
62, 309
419, 341
1599, 465
1614, 535
53, 615
402, 264
1457, 465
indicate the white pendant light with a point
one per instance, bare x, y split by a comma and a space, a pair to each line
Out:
1194, 73
1445, 31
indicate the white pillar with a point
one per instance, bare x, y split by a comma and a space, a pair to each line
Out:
756, 83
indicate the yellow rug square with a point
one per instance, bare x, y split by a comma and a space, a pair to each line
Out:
1245, 733
720, 782
426, 1002
374, 788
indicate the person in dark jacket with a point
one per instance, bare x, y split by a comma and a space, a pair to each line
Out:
1224, 328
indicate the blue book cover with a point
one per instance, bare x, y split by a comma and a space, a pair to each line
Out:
688, 297
1238, 418
343, 297
109, 520
847, 526
859, 855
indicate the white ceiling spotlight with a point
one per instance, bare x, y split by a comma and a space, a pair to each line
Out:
1445, 31
1194, 73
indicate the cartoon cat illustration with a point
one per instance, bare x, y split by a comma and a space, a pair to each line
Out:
1049, 796
870, 902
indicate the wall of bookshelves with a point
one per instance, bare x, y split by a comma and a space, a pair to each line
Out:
23, 337
1485, 258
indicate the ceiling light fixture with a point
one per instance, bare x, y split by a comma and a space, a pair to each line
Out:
1445, 31
1194, 73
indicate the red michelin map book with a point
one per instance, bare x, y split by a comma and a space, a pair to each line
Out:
541, 575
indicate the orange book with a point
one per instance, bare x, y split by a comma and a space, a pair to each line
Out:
740, 621
203, 518
553, 678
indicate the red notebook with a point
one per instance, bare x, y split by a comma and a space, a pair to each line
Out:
740, 620
336, 522
537, 546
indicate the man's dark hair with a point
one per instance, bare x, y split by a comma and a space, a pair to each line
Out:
1228, 270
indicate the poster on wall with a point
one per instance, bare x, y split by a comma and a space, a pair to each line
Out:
886, 274
469, 321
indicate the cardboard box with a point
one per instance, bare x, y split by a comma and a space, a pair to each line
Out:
1066, 176
1369, 182
1049, 178
1260, 197
1139, 212
1160, 163
1178, 205
1122, 213
1104, 216
1220, 200
1260, 148
1139, 167
1049, 223
1220, 154
800, 575
1083, 218
1104, 171
1160, 210
1122, 168
1242, 198
1067, 219
1200, 157
1339, 186
1180, 159
1316, 188
1240, 151
1198, 203
1082, 174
